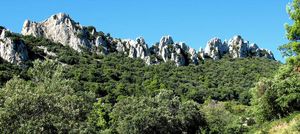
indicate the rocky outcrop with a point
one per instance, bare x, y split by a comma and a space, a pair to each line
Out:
12, 50
62, 29
101, 43
238, 48
254, 50
137, 48
201, 53
215, 48
179, 52
133, 48
59, 28
194, 56
235, 48
47, 52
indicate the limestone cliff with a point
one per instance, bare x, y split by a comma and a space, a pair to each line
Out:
61, 28
12, 49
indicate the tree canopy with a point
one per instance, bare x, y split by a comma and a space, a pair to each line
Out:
292, 49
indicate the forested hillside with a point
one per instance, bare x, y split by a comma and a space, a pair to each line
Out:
86, 92
50, 87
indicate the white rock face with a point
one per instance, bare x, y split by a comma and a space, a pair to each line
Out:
47, 52
13, 51
134, 48
238, 48
58, 28
100, 43
215, 48
137, 48
179, 52
141, 48
201, 53
165, 40
164, 53
120, 47
163, 50
194, 56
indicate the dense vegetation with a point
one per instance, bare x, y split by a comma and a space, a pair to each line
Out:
89, 93
46, 103
62, 91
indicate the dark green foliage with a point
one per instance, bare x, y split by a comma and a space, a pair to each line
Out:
64, 54
220, 80
277, 97
91, 29
16, 38
80, 35
114, 77
164, 113
7, 71
226, 117
46, 104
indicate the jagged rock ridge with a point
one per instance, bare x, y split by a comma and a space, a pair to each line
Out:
62, 29
235, 48
59, 28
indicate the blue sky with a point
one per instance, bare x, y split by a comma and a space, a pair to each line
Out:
190, 21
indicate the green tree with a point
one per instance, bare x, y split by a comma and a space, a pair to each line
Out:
278, 96
99, 117
292, 49
45, 104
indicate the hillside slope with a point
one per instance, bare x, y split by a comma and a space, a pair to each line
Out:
61, 77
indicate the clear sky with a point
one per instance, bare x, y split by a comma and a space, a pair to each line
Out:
190, 21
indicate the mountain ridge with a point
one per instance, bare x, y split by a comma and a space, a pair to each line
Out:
61, 28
